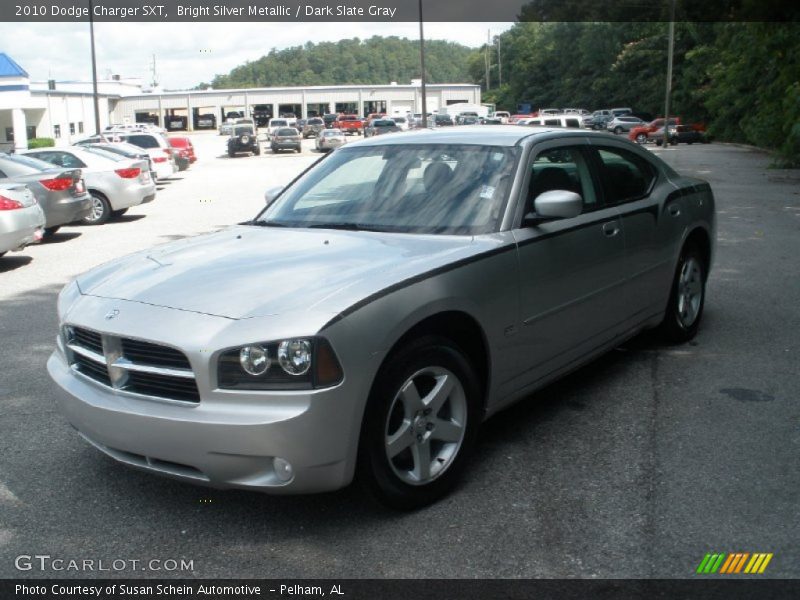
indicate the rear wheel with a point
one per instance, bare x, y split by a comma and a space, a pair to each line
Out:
231, 153
641, 138
101, 210
420, 424
687, 298
617, 130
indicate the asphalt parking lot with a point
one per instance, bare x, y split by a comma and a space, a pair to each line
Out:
636, 466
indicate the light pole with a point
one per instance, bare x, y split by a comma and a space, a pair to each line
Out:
94, 72
669, 70
422, 64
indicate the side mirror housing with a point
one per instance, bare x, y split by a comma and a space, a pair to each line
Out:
271, 194
555, 204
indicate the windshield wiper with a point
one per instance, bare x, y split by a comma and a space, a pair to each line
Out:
265, 223
346, 226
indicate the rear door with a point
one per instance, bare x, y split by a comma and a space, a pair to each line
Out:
571, 270
651, 220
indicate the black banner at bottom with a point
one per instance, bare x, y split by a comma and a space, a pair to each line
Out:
401, 589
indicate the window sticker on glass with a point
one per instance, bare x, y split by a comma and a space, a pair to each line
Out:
497, 156
487, 191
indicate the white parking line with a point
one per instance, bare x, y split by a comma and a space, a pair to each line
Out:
7, 496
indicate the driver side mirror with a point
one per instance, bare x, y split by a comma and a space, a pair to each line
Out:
272, 193
555, 204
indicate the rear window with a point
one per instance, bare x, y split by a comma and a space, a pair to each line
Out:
400, 120
383, 123
349, 118
28, 161
278, 123
179, 142
143, 141
287, 131
315, 122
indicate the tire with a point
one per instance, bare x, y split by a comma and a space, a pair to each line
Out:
231, 153
101, 210
257, 152
659, 142
298, 149
50, 231
641, 138
617, 130
118, 213
426, 465
686, 299
673, 142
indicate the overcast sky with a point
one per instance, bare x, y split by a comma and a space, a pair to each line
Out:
189, 53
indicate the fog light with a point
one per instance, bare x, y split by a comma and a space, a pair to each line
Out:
254, 360
283, 469
295, 356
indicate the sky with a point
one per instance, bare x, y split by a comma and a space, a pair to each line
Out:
190, 53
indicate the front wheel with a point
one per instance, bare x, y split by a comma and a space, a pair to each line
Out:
687, 298
641, 138
618, 130
101, 210
420, 424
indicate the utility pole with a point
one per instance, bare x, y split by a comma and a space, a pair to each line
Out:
422, 64
669, 70
499, 65
486, 58
95, 98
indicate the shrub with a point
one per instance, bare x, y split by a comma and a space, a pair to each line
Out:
41, 143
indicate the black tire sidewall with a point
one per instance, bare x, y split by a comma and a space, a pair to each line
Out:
671, 329
373, 465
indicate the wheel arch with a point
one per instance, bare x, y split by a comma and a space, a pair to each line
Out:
699, 237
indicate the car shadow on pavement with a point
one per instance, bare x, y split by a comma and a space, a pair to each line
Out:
126, 219
60, 236
9, 262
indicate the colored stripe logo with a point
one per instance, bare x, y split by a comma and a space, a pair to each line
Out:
734, 563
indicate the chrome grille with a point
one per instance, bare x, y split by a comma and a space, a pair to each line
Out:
131, 365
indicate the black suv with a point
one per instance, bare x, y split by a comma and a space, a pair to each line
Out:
243, 139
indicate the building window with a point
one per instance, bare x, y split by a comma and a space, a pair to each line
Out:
9, 134
56, 131
80, 126
31, 131
72, 128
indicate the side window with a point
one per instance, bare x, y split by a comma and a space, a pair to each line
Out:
624, 176
562, 169
69, 161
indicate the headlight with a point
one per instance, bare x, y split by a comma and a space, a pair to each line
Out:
301, 363
66, 298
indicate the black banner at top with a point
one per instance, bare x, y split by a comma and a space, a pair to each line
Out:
397, 10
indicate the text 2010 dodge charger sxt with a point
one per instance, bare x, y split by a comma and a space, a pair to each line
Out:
375, 313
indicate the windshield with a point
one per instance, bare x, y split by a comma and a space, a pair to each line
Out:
246, 130
287, 131
278, 123
447, 189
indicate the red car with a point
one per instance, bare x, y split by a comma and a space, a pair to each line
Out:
183, 151
642, 134
350, 124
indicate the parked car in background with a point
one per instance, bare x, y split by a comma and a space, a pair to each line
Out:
157, 146
313, 127
470, 120
350, 124
226, 128
502, 115
681, 134
401, 122
243, 139
60, 192
491, 121
380, 127
598, 122
123, 149
329, 119
361, 322
571, 121
619, 112
300, 124
274, 124
514, 118
205, 121
183, 150
443, 120
286, 138
641, 133
115, 183
581, 112
21, 218
623, 124
330, 139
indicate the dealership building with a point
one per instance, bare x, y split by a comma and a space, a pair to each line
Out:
64, 110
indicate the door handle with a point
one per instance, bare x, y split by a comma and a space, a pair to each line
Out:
674, 210
611, 229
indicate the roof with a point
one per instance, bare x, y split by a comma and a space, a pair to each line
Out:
490, 135
9, 68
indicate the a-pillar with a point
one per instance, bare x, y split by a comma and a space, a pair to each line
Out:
20, 129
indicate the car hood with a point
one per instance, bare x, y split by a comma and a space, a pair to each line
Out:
246, 271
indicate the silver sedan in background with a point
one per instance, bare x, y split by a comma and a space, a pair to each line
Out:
330, 139
380, 308
21, 217
60, 192
115, 183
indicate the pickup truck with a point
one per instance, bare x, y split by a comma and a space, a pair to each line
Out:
350, 124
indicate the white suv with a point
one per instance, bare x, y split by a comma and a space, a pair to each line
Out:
157, 146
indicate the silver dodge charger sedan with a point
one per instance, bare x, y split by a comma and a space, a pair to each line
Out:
384, 304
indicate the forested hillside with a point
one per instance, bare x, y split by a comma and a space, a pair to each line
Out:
378, 60
742, 79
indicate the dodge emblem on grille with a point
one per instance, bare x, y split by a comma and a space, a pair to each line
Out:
112, 314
